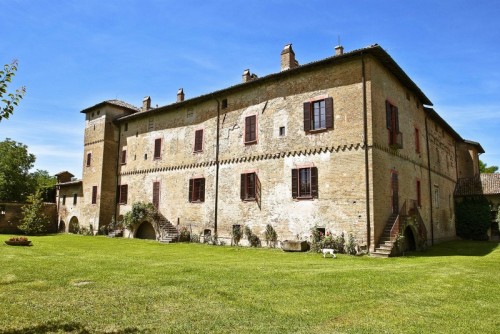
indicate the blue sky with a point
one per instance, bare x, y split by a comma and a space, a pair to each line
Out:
74, 54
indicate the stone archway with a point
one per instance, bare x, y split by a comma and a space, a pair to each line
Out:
145, 231
74, 225
410, 242
62, 227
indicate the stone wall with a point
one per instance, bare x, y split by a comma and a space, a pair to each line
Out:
11, 215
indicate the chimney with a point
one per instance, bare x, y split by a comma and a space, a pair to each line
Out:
288, 58
180, 95
146, 103
339, 50
247, 76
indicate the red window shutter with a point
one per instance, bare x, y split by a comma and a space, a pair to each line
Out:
314, 182
202, 190
307, 116
156, 194
157, 153
94, 194
329, 112
258, 194
198, 141
191, 183
295, 183
388, 114
243, 186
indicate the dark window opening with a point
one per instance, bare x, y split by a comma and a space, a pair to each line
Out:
124, 157
122, 194
282, 131
94, 194
207, 232
197, 190
156, 194
198, 141
89, 159
305, 182
251, 129
318, 115
157, 152
224, 104
64, 200
322, 231
74, 199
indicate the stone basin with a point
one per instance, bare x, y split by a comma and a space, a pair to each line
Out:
295, 246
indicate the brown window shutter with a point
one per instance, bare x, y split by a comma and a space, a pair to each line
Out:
250, 128
307, 116
191, 182
202, 190
124, 156
198, 141
295, 183
258, 193
156, 194
329, 112
157, 153
94, 194
124, 194
89, 158
388, 115
243, 186
118, 193
395, 113
314, 182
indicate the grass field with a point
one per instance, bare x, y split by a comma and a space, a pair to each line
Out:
76, 284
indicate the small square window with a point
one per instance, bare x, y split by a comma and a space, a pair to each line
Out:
145, 156
224, 104
207, 232
282, 131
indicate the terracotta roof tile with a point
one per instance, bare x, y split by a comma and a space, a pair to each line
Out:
484, 184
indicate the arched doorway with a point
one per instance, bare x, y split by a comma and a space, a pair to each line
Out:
62, 227
74, 225
145, 231
410, 244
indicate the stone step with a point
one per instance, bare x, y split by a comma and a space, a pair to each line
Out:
376, 254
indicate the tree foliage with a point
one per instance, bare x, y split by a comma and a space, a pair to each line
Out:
15, 165
9, 100
140, 212
473, 218
34, 220
485, 169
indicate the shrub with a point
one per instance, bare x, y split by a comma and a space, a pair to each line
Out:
473, 218
184, 234
34, 220
140, 212
350, 246
236, 234
271, 236
253, 239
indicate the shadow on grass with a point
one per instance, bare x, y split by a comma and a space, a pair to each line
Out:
72, 327
458, 248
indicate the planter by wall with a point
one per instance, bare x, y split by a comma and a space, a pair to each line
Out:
295, 246
18, 243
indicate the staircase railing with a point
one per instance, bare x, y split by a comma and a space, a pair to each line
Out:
396, 227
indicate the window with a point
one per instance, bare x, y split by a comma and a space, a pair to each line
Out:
395, 192
125, 127
89, 159
156, 194
122, 194
157, 153
250, 188
198, 141
124, 157
392, 121
282, 131
74, 199
94, 194
64, 200
436, 196
417, 140
197, 190
207, 232
251, 129
419, 194
305, 182
318, 115
224, 104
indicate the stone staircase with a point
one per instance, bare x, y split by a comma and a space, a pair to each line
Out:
384, 248
167, 232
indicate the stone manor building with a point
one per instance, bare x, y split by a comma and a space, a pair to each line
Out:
344, 144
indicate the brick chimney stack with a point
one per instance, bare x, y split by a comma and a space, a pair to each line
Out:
247, 76
339, 50
288, 58
180, 95
146, 103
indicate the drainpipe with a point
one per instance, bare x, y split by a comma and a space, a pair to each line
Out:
217, 166
430, 181
365, 143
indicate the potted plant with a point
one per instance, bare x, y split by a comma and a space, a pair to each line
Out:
18, 241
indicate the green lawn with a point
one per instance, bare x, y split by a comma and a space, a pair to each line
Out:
77, 284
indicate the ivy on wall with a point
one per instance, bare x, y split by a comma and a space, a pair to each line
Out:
473, 218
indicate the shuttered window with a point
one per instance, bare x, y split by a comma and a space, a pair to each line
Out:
392, 123
89, 159
157, 152
197, 190
251, 129
419, 194
250, 188
122, 194
198, 141
124, 157
94, 194
156, 194
305, 182
318, 114
417, 140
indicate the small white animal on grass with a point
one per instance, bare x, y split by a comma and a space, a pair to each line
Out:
328, 251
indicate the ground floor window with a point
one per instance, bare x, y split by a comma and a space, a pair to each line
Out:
305, 182
197, 190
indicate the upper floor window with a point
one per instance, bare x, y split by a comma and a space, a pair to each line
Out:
157, 152
251, 129
436, 196
75, 197
64, 200
122, 194
392, 122
198, 141
94, 195
417, 140
318, 114
197, 190
419, 194
89, 159
156, 194
305, 182
124, 157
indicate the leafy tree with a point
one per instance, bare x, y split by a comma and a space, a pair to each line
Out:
34, 220
9, 100
483, 168
473, 218
15, 178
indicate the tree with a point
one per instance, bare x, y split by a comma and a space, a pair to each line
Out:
34, 220
483, 168
15, 179
9, 100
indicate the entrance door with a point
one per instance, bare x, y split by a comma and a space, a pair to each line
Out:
395, 193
